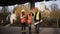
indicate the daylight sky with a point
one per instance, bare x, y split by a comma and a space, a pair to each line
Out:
48, 3
37, 4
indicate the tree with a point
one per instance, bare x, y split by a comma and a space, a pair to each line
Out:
5, 9
54, 9
54, 13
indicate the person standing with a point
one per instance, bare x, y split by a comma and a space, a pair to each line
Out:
37, 18
13, 17
23, 21
30, 20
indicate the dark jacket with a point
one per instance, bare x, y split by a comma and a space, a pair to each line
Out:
39, 16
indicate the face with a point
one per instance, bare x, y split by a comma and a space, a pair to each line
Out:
35, 10
23, 13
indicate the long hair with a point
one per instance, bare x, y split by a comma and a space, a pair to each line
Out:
23, 13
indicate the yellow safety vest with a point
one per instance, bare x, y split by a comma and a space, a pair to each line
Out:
37, 16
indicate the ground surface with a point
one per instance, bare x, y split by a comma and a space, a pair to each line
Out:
17, 30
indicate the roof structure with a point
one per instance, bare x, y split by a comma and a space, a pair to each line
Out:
13, 2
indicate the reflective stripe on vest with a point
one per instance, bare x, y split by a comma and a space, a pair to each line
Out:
23, 20
37, 16
29, 19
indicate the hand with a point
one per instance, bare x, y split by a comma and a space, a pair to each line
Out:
38, 22
41, 20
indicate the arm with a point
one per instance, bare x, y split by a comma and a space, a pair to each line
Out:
40, 20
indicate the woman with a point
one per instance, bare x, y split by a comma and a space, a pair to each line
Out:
23, 20
30, 20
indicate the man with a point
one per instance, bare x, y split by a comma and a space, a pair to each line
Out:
37, 18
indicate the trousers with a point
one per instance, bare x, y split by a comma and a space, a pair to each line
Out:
23, 28
37, 28
29, 28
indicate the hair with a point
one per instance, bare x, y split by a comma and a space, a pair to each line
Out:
29, 14
23, 13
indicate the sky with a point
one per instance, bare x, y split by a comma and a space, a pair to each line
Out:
48, 4
11, 8
37, 4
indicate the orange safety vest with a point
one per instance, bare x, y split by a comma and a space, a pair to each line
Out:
23, 19
30, 20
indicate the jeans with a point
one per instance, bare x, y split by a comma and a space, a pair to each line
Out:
29, 28
37, 28
23, 28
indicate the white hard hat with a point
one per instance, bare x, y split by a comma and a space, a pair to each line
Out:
22, 10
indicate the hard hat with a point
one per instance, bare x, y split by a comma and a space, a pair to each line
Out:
22, 10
